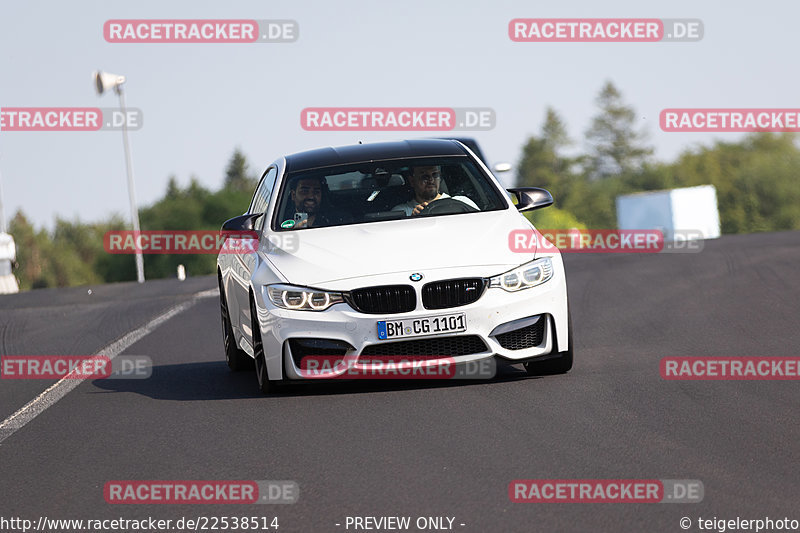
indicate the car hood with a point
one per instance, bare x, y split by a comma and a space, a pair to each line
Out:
471, 240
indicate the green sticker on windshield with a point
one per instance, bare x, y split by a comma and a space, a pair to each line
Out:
286, 224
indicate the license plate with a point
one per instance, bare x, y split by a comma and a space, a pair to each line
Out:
417, 327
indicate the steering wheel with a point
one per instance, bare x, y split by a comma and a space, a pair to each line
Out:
446, 206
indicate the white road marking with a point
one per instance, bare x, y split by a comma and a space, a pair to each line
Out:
60, 389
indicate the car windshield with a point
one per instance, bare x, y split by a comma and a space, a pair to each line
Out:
395, 189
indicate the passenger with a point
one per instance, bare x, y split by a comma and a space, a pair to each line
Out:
308, 199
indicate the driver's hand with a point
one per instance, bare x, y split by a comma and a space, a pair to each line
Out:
417, 210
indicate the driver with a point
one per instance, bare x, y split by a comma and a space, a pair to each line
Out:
425, 181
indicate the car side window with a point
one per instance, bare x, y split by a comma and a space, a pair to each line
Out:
262, 195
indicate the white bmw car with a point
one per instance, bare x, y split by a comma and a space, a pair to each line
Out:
389, 250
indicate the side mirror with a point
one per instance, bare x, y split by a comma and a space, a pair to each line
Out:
241, 223
529, 198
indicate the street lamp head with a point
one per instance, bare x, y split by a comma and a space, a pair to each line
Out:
104, 81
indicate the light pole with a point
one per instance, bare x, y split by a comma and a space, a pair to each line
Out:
102, 82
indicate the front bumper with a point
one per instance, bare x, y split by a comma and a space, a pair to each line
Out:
517, 326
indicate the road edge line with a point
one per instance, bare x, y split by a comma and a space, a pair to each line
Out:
62, 387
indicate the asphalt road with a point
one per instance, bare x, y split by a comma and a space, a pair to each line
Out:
422, 448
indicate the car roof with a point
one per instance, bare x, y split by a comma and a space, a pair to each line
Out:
472, 144
361, 153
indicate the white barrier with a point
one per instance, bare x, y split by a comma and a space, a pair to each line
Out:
8, 253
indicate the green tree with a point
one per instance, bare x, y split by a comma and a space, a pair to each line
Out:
32, 246
615, 145
173, 190
550, 218
756, 181
543, 163
196, 208
236, 173
555, 136
74, 253
114, 267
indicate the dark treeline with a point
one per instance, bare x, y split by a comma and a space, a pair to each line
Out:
757, 181
73, 253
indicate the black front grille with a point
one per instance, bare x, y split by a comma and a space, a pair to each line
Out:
522, 338
452, 292
324, 349
441, 346
383, 300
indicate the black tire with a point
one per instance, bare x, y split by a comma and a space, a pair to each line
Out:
264, 384
554, 365
237, 359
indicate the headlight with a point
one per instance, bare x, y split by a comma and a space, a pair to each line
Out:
302, 298
525, 276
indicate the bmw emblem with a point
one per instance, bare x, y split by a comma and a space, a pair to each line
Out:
416, 276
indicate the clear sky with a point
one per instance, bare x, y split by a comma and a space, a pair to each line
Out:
200, 101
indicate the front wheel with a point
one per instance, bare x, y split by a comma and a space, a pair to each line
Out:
264, 384
236, 358
555, 365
